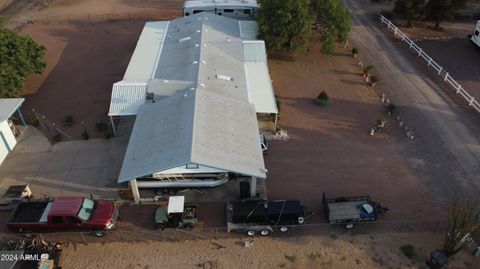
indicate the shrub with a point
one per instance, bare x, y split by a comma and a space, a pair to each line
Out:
85, 135
322, 99
68, 120
292, 258
408, 251
57, 137
33, 120
391, 108
354, 51
101, 126
375, 79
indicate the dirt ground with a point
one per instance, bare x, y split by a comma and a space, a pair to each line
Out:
330, 149
344, 251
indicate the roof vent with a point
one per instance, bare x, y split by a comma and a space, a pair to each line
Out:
223, 77
165, 81
203, 62
198, 31
184, 39
206, 30
202, 85
229, 39
195, 62
204, 45
197, 45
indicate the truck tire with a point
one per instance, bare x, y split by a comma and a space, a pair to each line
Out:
99, 233
349, 226
283, 229
265, 232
29, 234
251, 232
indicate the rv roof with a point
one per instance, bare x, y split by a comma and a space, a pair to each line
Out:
223, 3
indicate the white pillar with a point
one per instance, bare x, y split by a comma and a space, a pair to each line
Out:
135, 192
113, 126
253, 187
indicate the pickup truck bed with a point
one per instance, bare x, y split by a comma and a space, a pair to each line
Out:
345, 210
29, 212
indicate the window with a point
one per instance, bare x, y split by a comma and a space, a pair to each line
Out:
191, 166
73, 220
57, 219
228, 10
477, 32
86, 210
247, 11
187, 14
197, 11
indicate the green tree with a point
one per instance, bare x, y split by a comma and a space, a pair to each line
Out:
440, 10
332, 22
20, 56
410, 9
285, 25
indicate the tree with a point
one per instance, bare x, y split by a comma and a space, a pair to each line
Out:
440, 10
285, 25
410, 9
20, 56
463, 225
332, 22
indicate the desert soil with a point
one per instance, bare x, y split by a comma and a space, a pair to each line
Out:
342, 251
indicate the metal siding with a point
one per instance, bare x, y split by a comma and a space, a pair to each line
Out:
248, 30
260, 88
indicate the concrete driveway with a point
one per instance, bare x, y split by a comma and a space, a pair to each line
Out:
65, 168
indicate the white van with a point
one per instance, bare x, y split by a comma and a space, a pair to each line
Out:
236, 9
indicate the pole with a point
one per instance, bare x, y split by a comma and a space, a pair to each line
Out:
113, 126
276, 121
21, 117
253, 187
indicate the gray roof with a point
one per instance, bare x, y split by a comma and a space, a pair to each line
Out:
202, 112
127, 97
8, 106
194, 127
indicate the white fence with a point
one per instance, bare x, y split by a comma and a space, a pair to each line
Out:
441, 72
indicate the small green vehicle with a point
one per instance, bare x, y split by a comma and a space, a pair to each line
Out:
176, 214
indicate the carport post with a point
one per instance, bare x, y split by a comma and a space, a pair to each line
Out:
135, 192
21, 117
276, 120
113, 126
253, 187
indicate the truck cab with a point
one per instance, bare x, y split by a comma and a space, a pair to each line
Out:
64, 214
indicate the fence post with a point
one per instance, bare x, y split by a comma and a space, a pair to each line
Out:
458, 89
395, 30
430, 61
420, 51
446, 76
471, 101
440, 71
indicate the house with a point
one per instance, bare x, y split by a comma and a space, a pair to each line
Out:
8, 132
195, 86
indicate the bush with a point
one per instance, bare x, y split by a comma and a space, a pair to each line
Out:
408, 251
354, 51
391, 108
101, 126
33, 120
68, 120
85, 135
375, 79
322, 99
57, 137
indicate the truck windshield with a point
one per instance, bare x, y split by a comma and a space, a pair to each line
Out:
87, 209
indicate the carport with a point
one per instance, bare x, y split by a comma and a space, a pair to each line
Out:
8, 132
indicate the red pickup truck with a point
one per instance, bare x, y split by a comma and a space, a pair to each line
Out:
64, 214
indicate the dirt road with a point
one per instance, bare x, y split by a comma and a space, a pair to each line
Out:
446, 146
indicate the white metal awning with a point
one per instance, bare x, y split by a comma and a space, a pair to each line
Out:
127, 97
259, 86
176, 204
8, 106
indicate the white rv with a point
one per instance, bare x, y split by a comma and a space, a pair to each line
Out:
236, 9
476, 35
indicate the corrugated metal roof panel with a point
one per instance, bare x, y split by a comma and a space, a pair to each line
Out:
248, 30
254, 51
127, 97
144, 59
8, 106
260, 90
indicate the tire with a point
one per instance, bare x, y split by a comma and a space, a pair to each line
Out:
265, 232
284, 229
251, 232
29, 234
99, 233
349, 226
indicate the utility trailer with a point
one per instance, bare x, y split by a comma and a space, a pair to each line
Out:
261, 216
475, 38
351, 210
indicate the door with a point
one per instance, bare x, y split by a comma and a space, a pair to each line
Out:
4, 148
